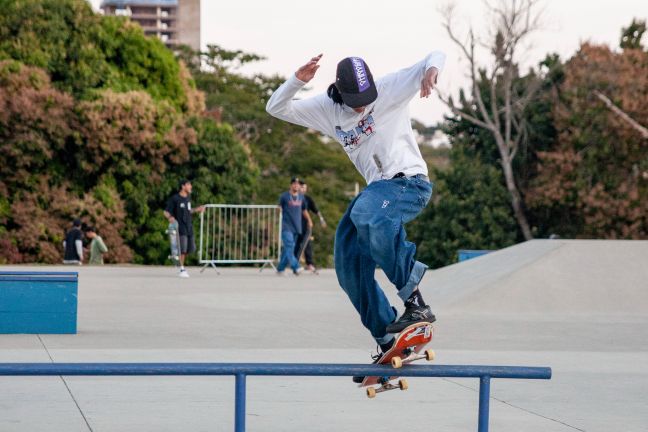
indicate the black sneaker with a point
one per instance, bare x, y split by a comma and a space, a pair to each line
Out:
411, 316
376, 358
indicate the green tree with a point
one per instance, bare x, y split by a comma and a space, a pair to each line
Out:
83, 51
99, 121
593, 180
470, 209
631, 35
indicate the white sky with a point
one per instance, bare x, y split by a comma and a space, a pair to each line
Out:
392, 34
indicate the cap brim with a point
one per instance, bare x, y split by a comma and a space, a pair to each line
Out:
355, 100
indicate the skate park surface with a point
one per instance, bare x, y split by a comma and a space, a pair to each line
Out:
578, 306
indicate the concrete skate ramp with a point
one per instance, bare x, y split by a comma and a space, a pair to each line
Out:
556, 277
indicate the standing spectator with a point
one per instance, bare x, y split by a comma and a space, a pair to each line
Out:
73, 244
293, 207
304, 240
178, 211
97, 246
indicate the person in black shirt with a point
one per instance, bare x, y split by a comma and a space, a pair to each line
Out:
73, 244
178, 211
303, 242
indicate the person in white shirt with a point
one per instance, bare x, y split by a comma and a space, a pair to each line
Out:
371, 120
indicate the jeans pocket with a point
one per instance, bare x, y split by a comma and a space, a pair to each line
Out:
425, 193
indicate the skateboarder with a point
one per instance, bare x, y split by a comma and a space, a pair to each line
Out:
370, 119
178, 210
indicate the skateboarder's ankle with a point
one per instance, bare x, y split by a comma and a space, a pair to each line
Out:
415, 300
384, 347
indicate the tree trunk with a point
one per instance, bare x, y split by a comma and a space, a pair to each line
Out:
516, 200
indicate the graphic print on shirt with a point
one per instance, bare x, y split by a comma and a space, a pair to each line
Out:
295, 201
353, 138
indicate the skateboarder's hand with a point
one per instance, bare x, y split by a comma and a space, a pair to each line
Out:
307, 72
428, 82
200, 209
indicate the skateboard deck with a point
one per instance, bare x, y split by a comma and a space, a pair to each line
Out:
302, 247
307, 235
174, 242
407, 348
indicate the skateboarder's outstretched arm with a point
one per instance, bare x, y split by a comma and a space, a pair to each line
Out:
400, 87
312, 112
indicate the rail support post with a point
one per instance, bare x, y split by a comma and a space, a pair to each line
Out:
239, 404
484, 402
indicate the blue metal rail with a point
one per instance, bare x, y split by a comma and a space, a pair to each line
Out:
241, 370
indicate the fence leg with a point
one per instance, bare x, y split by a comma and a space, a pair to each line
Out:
210, 264
484, 402
239, 407
267, 263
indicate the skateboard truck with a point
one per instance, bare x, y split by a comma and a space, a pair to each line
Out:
398, 362
386, 385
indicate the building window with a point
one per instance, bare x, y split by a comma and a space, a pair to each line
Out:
148, 23
143, 10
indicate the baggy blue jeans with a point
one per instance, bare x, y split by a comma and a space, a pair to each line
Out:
371, 233
288, 251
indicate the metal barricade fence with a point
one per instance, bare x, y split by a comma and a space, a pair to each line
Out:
239, 234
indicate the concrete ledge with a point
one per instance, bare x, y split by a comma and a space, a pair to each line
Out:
38, 302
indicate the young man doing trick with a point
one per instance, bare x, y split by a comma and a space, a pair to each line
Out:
370, 119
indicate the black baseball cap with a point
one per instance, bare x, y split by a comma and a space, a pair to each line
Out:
295, 180
354, 81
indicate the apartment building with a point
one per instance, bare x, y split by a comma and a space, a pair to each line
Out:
173, 21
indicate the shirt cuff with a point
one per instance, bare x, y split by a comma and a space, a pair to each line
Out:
294, 81
436, 60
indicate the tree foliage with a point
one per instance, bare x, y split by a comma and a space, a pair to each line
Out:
83, 52
470, 210
593, 182
631, 36
100, 122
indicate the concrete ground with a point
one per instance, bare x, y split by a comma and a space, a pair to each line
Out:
580, 307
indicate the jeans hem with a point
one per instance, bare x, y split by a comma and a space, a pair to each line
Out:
415, 278
383, 340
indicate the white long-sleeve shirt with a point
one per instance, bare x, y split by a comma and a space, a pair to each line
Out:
379, 141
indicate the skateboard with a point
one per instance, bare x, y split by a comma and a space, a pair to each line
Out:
407, 348
302, 247
174, 242
307, 235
